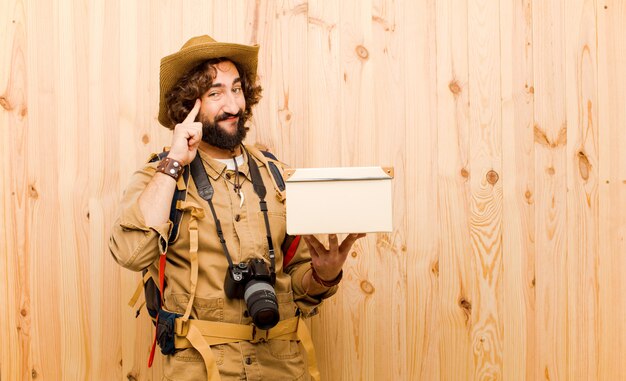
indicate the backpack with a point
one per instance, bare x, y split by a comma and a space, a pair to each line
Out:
150, 287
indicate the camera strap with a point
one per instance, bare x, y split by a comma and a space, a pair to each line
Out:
206, 191
259, 189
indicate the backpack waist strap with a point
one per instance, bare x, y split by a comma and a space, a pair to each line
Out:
202, 334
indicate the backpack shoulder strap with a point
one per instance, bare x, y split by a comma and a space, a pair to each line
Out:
272, 165
179, 195
274, 171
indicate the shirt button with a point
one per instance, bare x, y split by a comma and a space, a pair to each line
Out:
237, 217
248, 360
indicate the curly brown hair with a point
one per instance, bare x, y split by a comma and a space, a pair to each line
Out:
191, 86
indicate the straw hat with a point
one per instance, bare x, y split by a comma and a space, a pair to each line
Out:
197, 50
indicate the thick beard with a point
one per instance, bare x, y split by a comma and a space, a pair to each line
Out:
214, 135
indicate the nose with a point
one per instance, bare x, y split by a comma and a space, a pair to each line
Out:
230, 103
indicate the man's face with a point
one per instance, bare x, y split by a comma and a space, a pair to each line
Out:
222, 107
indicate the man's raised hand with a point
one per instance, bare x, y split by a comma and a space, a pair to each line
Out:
187, 137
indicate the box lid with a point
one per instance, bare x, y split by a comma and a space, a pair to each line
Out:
338, 174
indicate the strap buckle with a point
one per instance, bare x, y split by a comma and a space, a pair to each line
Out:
181, 327
259, 335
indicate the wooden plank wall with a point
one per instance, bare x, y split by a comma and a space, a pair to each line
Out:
505, 122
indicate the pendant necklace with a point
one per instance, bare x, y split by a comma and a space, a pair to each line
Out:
238, 185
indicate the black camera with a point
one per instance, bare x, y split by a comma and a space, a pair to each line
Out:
253, 282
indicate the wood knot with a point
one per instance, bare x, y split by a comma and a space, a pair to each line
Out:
464, 173
466, 305
529, 196
4, 102
550, 171
531, 90
362, 52
367, 287
454, 87
285, 115
354, 254
23, 312
435, 268
33, 373
145, 139
583, 165
492, 177
32, 192
131, 376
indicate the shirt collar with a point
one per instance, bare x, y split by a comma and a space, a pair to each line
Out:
215, 168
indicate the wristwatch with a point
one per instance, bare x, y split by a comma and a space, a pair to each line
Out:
170, 167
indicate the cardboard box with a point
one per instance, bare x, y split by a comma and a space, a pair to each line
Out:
339, 200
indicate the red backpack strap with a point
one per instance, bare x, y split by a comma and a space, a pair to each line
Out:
162, 263
289, 247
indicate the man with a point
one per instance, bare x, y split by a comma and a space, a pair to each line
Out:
233, 299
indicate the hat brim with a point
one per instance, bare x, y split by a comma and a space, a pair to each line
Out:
174, 66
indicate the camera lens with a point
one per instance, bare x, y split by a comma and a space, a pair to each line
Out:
262, 304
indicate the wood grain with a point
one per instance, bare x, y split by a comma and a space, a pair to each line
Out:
453, 295
43, 168
611, 284
15, 287
420, 225
518, 183
582, 182
550, 134
504, 122
485, 166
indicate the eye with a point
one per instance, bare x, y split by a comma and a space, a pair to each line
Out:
237, 90
214, 94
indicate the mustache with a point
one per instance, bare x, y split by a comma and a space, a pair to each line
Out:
226, 115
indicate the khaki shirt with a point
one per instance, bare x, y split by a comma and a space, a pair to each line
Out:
136, 246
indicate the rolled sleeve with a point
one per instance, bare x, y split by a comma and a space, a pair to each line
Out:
133, 244
297, 268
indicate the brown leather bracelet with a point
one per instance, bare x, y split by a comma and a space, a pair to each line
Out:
326, 283
170, 167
